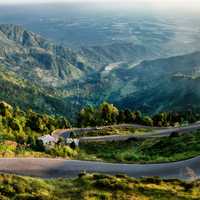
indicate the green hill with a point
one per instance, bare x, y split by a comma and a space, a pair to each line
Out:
163, 84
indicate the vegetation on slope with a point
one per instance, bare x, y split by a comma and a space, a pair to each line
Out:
114, 130
173, 148
96, 187
152, 88
22, 93
19, 130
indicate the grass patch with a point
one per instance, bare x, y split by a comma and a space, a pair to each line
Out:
165, 149
115, 131
96, 187
155, 150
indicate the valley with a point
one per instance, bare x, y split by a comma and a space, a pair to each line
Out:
65, 75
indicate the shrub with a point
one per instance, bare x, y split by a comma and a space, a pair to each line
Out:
147, 121
15, 124
61, 151
5, 109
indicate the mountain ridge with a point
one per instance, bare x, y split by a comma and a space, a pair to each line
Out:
25, 49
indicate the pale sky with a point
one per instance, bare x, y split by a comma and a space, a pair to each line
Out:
133, 1
177, 4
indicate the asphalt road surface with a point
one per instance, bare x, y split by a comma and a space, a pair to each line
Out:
64, 132
156, 132
54, 168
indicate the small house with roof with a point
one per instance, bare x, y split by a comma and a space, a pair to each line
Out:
48, 139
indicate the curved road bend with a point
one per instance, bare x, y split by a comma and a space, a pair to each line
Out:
62, 132
54, 168
153, 134
156, 132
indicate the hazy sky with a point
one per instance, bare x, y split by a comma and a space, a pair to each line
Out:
182, 2
177, 4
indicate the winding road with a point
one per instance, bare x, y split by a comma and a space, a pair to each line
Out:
156, 132
54, 168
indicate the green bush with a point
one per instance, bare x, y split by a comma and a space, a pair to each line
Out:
5, 109
147, 121
61, 151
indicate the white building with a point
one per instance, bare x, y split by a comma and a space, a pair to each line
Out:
48, 139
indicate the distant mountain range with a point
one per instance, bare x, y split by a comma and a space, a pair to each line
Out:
46, 77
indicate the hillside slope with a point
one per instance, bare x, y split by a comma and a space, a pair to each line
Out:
97, 186
163, 84
117, 52
37, 59
24, 94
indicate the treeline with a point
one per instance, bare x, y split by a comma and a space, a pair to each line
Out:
26, 127
108, 114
